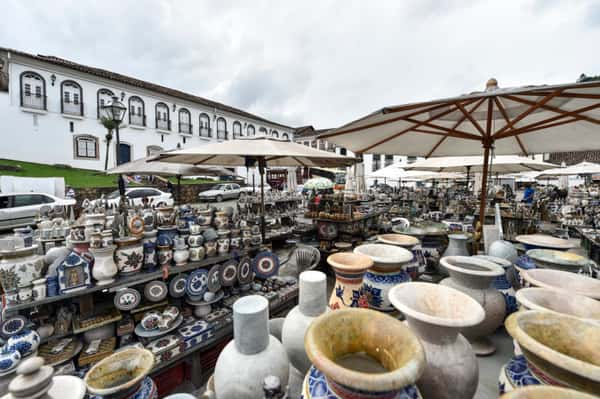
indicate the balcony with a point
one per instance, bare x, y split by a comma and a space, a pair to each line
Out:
71, 108
163, 125
33, 101
185, 128
137, 120
222, 134
205, 131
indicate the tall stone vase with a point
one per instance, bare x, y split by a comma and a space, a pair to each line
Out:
436, 314
474, 276
388, 270
312, 302
349, 269
252, 355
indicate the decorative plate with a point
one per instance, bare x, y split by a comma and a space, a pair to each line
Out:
199, 300
13, 325
136, 225
156, 291
229, 273
127, 299
265, 264
214, 278
245, 270
177, 285
140, 331
163, 343
197, 282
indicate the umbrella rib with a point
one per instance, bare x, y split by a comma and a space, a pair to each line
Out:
524, 114
468, 115
552, 109
205, 159
300, 162
515, 133
506, 118
565, 95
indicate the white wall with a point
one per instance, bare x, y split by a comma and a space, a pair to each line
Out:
45, 137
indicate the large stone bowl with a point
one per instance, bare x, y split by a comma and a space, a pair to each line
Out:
550, 300
386, 258
558, 260
121, 372
545, 392
533, 241
565, 281
385, 339
401, 240
564, 349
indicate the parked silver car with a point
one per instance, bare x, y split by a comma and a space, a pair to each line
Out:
221, 192
21, 209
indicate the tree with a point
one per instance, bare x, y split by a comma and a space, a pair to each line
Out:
110, 125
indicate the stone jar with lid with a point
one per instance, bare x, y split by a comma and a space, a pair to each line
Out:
312, 302
252, 355
34, 380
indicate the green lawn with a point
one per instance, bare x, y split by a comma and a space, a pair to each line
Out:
77, 178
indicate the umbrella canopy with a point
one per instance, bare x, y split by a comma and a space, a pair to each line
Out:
522, 120
143, 166
318, 183
500, 163
583, 168
275, 152
395, 172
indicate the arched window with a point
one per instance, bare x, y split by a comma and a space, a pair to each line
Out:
275, 134
85, 147
204, 125
221, 129
250, 130
137, 111
153, 150
103, 97
237, 129
285, 136
262, 130
163, 121
185, 121
33, 90
71, 98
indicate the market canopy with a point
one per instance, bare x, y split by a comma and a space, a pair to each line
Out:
275, 152
500, 164
583, 168
142, 166
522, 120
395, 173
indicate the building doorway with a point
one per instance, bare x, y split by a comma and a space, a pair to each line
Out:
124, 153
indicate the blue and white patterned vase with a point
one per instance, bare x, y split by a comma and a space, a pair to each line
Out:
516, 374
26, 342
9, 358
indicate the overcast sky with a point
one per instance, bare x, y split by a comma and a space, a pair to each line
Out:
316, 62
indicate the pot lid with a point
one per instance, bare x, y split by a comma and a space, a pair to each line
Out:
33, 379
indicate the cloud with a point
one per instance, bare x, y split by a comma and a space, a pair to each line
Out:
316, 62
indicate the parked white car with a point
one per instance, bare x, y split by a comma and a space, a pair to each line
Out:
136, 194
227, 191
21, 209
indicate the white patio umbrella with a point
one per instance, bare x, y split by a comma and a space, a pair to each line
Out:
474, 164
261, 150
583, 168
522, 120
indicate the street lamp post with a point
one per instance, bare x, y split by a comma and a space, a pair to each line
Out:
115, 111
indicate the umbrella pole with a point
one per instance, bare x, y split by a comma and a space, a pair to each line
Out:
468, 176
261, 168
486, 156
178, 189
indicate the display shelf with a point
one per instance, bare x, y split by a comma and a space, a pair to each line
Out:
123, 282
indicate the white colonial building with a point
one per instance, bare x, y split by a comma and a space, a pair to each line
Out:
50, 113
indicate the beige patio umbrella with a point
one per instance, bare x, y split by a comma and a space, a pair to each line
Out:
261, 150
582, 168
522, 120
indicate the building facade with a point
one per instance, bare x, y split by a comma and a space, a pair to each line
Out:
50, 110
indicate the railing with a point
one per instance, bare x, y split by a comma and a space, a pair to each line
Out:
34, 101
163, 125
71, 108
185, 128
138, 120
205, 131
222, 134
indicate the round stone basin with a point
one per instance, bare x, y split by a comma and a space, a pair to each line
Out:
402, 240
473, 266
564, 348
544, 241
559, 260
119, 372
565, 281
385, 257
436, 304
334, 336
349, 262
550, 300
545, 392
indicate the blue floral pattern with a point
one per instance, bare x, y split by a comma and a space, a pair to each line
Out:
518, 374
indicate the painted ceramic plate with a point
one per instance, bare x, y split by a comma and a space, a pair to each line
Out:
265, 264
177, 285
13, 325
245, 270
157, 332
199, 300
163, 343
214, 278
197, 283
156, 291
229, 273
328, 230
127, 299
